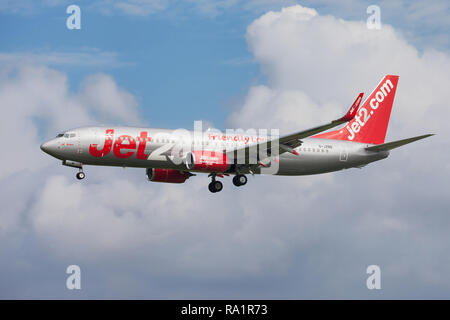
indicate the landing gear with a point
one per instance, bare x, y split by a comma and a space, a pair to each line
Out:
80, 175
74, 164
215, 186
239, 180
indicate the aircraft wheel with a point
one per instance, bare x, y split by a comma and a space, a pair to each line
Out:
215, 186
239, 180
80, 175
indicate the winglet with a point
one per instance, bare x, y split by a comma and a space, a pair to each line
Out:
352, 111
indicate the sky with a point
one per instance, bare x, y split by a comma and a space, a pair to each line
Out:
278, 64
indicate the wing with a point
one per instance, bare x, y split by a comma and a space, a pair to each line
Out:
287, 143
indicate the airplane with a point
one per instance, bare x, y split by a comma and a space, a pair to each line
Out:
171, 157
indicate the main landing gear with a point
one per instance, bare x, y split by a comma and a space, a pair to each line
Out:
239, 180
216, 186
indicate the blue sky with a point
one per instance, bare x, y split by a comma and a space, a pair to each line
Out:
181, 60
235, 63
190, 66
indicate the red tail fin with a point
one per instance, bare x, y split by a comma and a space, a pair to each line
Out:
371, 122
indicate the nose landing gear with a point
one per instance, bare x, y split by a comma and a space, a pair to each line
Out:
80, 175
74, 164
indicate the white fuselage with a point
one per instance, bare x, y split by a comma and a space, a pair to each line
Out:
154, 148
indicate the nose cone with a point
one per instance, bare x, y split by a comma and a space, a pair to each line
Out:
49, 147
45, 147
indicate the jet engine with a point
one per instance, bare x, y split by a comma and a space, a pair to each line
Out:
207, 161
167, 175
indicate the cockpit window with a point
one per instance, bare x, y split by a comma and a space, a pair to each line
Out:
66, 135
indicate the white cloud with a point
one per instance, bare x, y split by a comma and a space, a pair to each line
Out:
101, 94
315, 66
425, 24
329, 61
30, 95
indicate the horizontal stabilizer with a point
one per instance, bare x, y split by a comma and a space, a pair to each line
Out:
395, 144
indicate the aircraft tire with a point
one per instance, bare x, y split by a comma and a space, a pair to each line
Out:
239, 180
215, 186
80, 175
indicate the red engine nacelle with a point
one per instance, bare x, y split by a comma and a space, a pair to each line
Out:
167, 175
208, 161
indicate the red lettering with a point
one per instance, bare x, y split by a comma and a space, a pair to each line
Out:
119, 145
93, 148
140, 154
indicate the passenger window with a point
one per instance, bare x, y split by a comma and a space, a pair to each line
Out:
72, 135
66, 135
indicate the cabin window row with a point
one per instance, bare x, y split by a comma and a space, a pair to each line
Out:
314, 150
